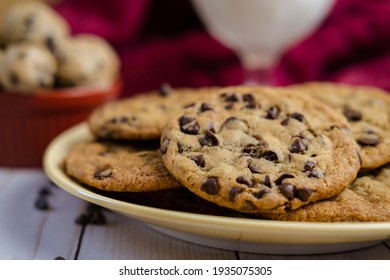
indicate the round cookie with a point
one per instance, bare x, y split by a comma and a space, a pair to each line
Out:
27, 67
126, 167
367, 199
260, 150
34, 21
368, 112
87, 60
142, 116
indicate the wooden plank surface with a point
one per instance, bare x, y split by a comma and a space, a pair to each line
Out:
29, 233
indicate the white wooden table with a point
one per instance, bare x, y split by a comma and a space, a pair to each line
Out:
28, 233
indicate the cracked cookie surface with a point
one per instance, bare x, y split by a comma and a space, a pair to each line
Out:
126, 167
142, 116
260, 150
368, 111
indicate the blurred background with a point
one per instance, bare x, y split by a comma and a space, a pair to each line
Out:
165, 41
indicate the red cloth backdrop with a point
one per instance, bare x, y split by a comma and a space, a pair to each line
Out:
164, 41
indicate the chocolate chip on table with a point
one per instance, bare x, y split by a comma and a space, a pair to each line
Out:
246, 180
93, 215
282, 177
209, 139
287, 190
210, 186
234, 192
351, 114
199, 160
165, 89
298, 147
59, 258
188, 125
273, 113
42, 202
103, 173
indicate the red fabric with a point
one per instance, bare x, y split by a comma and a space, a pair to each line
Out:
164, 41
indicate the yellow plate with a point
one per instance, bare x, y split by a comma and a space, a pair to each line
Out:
249, 235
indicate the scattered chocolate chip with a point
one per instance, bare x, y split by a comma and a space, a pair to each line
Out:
267, 181
234, 192
253, 168
205, 107
209, 139
188, 125
93, 215
82, 219
270, 156
44, 191
287, 190
351, 114
298, 147
164, 146
279, 181
103, 172
165, 89
261, 193
304, 194
199, 160
42, 202
273, 113
246, 180
297, 116
309, 165
210, 186
231, 98
368, 141
59, 258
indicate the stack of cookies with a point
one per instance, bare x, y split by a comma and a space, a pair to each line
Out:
313, 152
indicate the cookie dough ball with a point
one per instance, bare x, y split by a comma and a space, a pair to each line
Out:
87, 60
34, 21
27, 67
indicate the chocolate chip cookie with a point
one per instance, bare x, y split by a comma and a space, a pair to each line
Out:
260, 149
368, 112
367, 199
119, 167
142, 116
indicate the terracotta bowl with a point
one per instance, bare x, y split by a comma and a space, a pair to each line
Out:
28, 123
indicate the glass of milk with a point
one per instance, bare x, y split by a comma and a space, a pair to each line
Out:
261, 30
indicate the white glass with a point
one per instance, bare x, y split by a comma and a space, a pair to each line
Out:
259, 31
